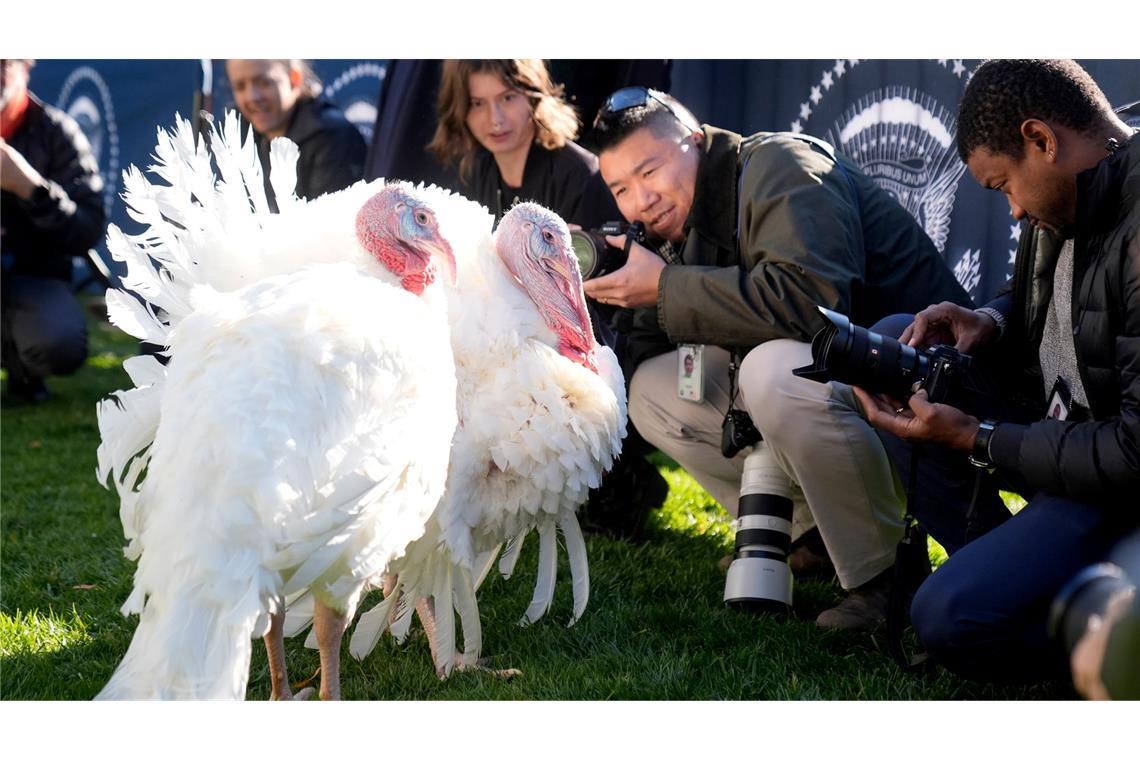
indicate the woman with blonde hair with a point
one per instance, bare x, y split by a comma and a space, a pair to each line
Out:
508, 127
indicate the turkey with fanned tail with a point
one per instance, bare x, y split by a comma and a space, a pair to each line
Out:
298, 438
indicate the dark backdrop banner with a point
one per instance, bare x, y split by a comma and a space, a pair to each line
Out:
895, 118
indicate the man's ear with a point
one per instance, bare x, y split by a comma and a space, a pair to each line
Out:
1039, 136
698, 137
295, 78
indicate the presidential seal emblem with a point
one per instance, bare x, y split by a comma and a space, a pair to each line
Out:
86, 98
356, 91
898, 124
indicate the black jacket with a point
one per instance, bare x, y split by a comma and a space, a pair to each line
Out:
777, 228
1098, 460
332, 150
63, 220
565, 180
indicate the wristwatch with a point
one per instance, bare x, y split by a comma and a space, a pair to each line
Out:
980, 454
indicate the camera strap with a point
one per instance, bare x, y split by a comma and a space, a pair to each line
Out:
912, 566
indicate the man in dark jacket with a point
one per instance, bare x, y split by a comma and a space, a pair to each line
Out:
52, 210
280, 98
1068, 335
756, 232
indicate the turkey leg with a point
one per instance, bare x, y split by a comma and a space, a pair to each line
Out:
275, 650
425, 608
329, 626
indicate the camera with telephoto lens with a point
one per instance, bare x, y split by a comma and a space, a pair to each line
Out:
856, 356
597, 257
759, 579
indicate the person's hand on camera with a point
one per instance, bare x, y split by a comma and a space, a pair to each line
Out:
949, 324
920, 421
635, 284
17, 176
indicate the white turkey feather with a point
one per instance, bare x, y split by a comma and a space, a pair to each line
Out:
547, 574
298, 439
579, 566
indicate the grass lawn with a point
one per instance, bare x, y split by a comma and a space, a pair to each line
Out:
656, 627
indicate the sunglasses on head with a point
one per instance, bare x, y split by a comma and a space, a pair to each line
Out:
635, 97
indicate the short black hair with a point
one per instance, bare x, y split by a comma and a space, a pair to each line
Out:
1002, 94
613, 128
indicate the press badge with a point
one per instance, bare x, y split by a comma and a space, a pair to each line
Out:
1060, 401
690, 373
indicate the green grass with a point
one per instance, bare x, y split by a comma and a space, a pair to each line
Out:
656, 627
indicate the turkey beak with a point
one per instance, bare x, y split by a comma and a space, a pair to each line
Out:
441, 251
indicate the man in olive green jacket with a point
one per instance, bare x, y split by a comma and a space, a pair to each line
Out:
756, 233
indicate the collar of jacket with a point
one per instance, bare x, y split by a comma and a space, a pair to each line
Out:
713, 214
307, 119
1107, 191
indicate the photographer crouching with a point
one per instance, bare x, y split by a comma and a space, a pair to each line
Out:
746, 235
1068, 334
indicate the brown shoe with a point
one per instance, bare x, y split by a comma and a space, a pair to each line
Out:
806, 563
864, 609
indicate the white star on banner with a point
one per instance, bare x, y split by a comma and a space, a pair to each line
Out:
942, 62
797, 127
1015, 232
852, 62
1012, 255
839, 68
816, 96
959, 69
805, 110
827, 81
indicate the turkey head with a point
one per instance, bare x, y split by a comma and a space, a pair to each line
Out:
534, 244
400, 230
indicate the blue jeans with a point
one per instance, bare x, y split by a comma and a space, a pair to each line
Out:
983, 613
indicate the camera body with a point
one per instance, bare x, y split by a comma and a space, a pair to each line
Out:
737, 432
943, 381
595, 256
856, 356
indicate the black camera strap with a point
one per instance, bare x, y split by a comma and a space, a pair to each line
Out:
912, 566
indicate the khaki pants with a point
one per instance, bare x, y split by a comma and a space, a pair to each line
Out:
844, 482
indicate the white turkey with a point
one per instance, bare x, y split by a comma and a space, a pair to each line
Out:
542, 415
299, 437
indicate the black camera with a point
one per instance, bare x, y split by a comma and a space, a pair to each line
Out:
597, 257
737, 432
856, 356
